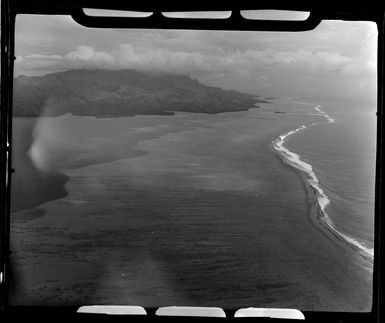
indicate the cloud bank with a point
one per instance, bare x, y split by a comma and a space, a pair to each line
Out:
326, 59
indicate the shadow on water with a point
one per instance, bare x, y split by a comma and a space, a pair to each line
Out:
31, 186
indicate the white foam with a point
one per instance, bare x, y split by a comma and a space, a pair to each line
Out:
323, 200
328, 118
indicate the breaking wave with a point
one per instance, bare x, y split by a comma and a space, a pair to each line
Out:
322, 199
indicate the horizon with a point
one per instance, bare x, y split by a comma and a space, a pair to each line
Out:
337, 59
147, 73
267, 96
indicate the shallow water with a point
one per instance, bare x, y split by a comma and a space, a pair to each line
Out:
190, 209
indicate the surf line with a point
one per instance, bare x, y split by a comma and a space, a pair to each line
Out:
322, 199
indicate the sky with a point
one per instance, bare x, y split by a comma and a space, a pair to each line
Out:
337, 59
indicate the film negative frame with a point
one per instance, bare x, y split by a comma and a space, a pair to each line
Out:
9, 10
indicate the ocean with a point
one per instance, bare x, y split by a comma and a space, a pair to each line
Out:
268, 207
340, 156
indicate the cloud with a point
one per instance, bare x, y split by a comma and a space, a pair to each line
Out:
89, 54
231, 68
42, 57
337, 54
220, 60
364, 63
19, 59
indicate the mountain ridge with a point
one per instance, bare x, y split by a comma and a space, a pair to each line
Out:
119, 93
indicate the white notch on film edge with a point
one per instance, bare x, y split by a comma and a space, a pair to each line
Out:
112, 310
280, 313
190, 311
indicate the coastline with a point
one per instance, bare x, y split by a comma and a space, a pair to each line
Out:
54, 182
201, 229
316, 217
317, 198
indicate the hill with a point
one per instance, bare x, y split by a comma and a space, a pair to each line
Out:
117, 93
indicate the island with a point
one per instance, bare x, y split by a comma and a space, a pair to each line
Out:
121, 93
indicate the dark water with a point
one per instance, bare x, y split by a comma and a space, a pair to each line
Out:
190, 209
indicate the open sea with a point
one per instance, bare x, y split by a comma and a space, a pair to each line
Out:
196, 209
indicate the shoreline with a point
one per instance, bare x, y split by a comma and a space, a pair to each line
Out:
316, 216
318, 200
56, 181
191, 242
